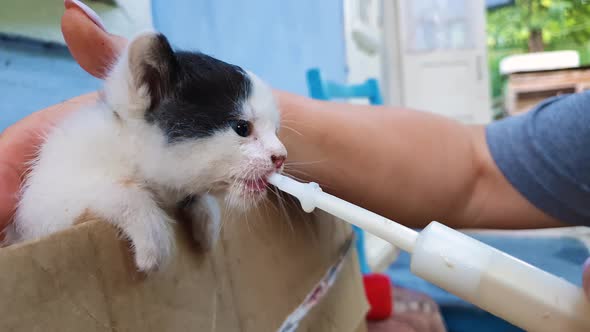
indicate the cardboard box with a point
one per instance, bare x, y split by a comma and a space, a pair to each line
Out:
83, 279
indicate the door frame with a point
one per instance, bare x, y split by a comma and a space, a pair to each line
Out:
391, 55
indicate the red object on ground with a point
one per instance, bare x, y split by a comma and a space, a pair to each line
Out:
379, 292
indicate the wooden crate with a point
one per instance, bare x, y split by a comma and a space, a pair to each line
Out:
527, 89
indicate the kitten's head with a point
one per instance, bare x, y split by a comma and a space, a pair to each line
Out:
200, 123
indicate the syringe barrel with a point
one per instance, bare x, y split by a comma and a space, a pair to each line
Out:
509, 288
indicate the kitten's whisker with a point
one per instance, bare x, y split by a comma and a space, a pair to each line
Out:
293, 130
297, 169
283, 209
247, 223
303, 216
297, 163
299, 124
290, 121
294, 177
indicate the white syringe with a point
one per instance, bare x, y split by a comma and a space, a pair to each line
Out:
507, 287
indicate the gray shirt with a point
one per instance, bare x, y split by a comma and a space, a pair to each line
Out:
545, 155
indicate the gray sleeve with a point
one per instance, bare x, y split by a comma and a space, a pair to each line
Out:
545, 155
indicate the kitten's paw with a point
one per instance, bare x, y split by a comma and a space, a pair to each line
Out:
147, 260
153, 254
152, 241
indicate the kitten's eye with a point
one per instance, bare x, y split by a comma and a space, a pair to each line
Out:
242, 128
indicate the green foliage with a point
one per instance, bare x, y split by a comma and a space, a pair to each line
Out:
565, 25
559, 20
494, 58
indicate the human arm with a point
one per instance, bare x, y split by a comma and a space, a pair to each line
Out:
417, 177
411, 166
17, 146
18, 143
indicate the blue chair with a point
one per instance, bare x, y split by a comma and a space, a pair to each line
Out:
327, 90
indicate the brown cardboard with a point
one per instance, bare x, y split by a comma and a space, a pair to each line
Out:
83, 279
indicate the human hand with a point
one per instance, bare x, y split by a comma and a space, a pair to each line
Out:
586, 278
87, 39
93, 48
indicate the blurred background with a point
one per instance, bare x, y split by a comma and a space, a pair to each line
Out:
473, 60
476, 61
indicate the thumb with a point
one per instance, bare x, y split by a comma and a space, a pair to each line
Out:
586, 278
93, 48
9, 184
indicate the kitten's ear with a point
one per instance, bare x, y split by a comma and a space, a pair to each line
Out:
152, 65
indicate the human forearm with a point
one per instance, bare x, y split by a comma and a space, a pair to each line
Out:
427, 167
411, 166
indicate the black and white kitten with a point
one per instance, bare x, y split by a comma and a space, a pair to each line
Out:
169, 125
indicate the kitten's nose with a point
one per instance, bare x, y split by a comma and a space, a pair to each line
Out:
278, 161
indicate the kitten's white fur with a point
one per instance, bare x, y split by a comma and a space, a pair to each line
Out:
120, 168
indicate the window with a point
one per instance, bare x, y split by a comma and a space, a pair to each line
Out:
439, 25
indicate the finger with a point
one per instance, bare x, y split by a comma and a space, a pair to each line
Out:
586, 278
91, 46
9, 186
19, 144
19, 141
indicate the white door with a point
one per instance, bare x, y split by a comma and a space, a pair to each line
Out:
436, 57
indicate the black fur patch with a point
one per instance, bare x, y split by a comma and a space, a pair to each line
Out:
206, 95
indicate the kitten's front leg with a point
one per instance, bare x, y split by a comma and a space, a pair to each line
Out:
205, 217
134, 210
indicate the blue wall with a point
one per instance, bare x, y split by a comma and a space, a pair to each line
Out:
33, 77
276, 39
